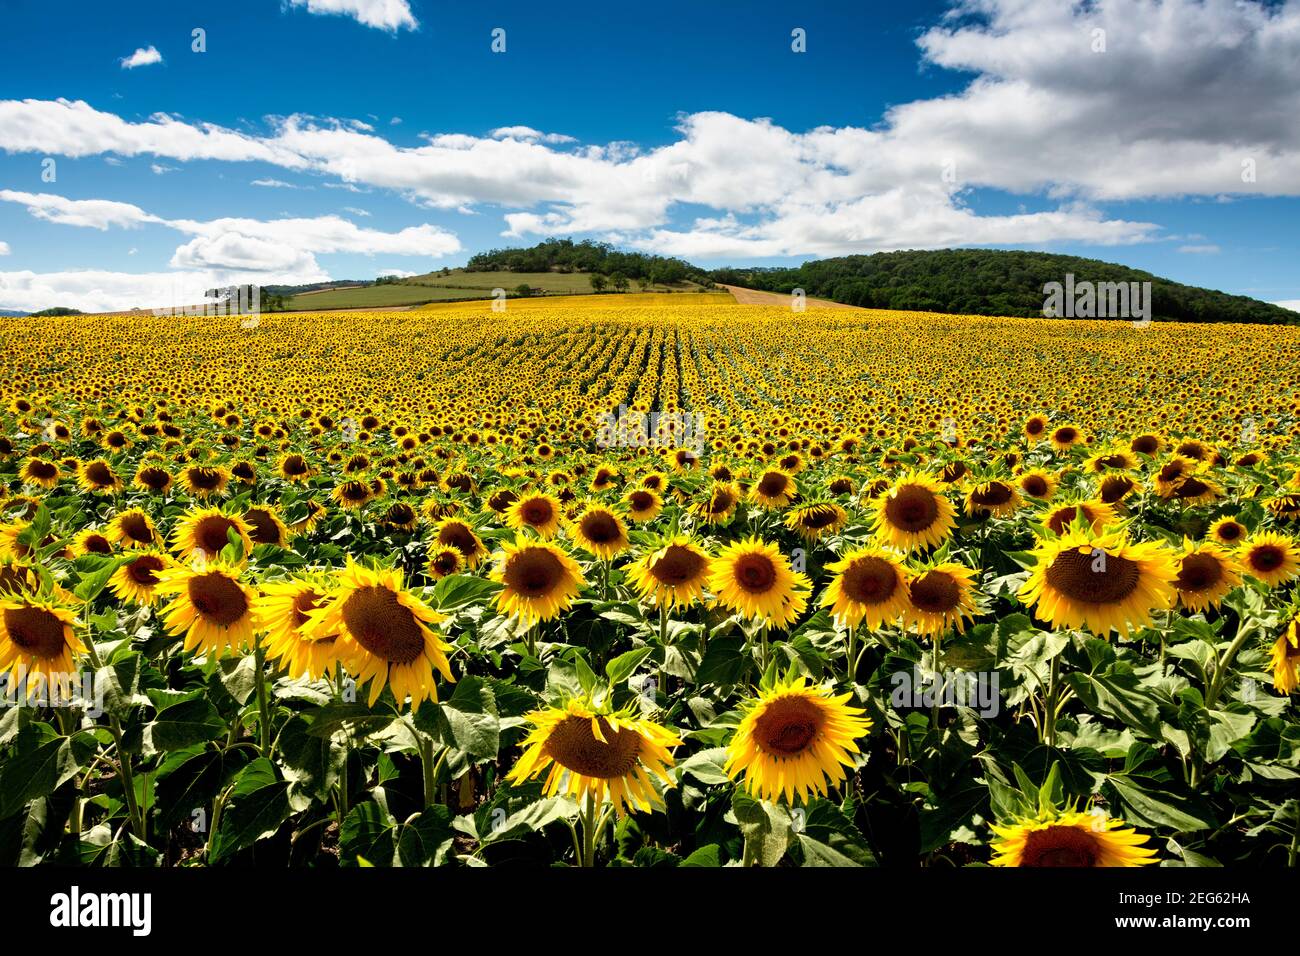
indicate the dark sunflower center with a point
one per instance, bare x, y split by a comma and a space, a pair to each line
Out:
217, 598
814, 519
1198, 572
1093, 579
1115, 488
1060, 846
44, 470
677, 565
936, 593
991, 495
502, 500
446, 562
600, 528
98, 473
1062, 518
1267, 557
869, 580
1230, 532
210, 533
264, 527
1035, 426
136, 527
534, 572
841, 486
383, 626
755, 573
1065, 435
1191, 488
355, 491
304, 603
459, 537
537, 511
787, 726
205, 478
1113, 461
1034, 485
641, 500
573, 746
1146, 444
401, 513
295, 465
912, 508
772, 484
144, 570
154, 478
721, 501
35, 631
97, 544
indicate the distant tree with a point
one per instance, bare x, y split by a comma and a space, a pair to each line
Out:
523, 290
619, 281
597, 282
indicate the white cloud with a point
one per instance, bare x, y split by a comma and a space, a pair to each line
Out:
1157, 115
391, 15
404, 273
1293, 304
95, 290
273, 184
356, 211
160, 170
91, 213
143, 56
1206, 249
4, 248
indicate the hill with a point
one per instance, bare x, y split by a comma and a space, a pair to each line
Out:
990, 282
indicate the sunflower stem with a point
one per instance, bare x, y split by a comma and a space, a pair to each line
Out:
347, 750
1049, 705
934, 666
124, 771
850, 658
263, 711
431, 769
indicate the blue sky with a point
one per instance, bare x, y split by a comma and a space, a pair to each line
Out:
344, 138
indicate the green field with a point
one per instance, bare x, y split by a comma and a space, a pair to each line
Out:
458, 284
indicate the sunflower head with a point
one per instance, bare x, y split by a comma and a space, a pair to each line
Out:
755, 579
1270, 557
38, 634
596, 754
210, 607
1069, 838
913, 513
672, 573
539, 580
795, 740
600, 531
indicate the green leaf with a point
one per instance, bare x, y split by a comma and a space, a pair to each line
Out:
765, 826
182, 725
708, 855
457, 591
624, 666
706, 766
1160, 808
256, 810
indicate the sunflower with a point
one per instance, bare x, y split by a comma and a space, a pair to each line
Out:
913, 514
1206, 572
1035, 428
1102, 581
939, 599
795, 740
1069, 838
281, 611
601, 756
754, 578
673, 573
15, 576
540, 580
133, 528
266, 526
1065, 437
1116, 487
773, 489
153, 479
600, 531
870, 584
205, 481
1171, 474
1038, 483
1285, 659
540, 512
136, 578
1148, 443
643, 504
206, 532
383, 633
39, 472
90, 541
353, 493
211, 607
816, 520
720, 505
1096, 515
1114, 460
1197, 489
315, 512
97, 476
1270, 557
997, 498
294, 467
1228, 531
444, 560
458, 534
400, 516
37, 635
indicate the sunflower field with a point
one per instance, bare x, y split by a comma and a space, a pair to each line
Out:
648, 581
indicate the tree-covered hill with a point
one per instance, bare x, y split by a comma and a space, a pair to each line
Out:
990, 282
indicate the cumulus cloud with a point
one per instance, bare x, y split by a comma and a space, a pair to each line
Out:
4, 248
143, 56
1203, 249
91, 213
392, 15
1293, 304
1077, 105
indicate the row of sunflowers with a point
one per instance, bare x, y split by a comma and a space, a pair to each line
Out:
379, 590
